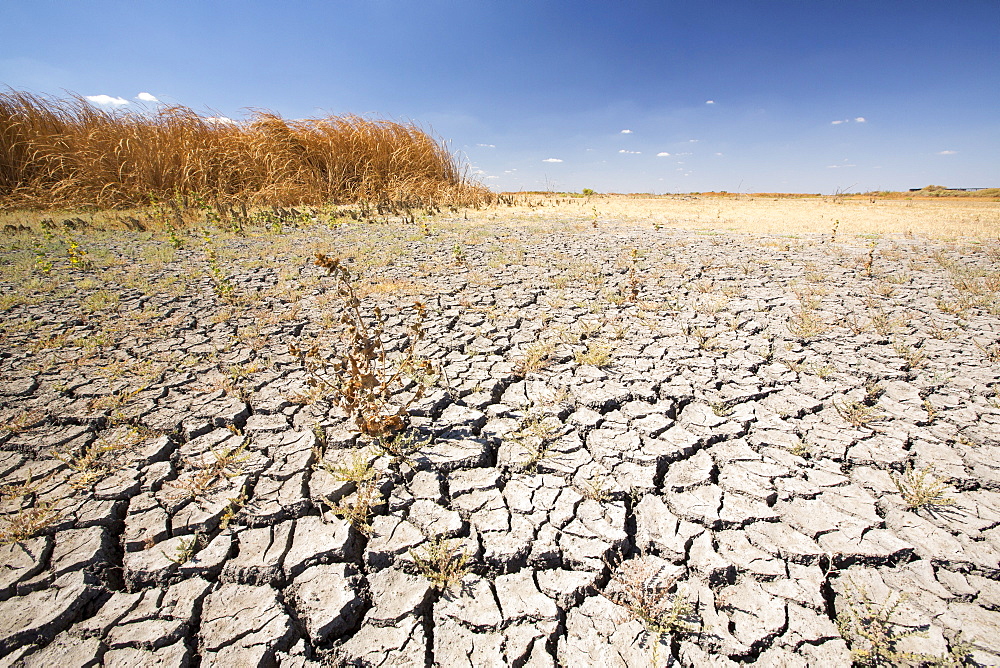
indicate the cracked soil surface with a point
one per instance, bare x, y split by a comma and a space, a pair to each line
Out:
778, 431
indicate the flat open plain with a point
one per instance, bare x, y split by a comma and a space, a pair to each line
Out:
736, 411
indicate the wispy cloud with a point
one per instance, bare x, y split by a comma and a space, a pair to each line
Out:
220, 120
860, 119
552, 160
857, 119
709, 101
486, 145
107, 100
662, 154
839, 122
947, 152
626, 132
146, 97
693, 141
630, 152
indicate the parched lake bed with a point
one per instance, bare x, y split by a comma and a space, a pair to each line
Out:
652, 438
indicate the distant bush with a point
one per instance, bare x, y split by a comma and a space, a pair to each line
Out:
68, 152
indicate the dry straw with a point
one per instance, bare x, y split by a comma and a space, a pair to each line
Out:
69, 153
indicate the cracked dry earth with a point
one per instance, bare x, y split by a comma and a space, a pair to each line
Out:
733, 417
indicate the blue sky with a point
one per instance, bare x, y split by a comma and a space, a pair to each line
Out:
769, 95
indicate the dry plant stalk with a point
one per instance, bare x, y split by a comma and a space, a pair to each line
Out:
361, 379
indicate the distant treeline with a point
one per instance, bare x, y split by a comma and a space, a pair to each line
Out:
57, 152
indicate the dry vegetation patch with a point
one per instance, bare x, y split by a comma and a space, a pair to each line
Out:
68, 152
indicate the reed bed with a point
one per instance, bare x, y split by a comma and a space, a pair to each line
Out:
68, 153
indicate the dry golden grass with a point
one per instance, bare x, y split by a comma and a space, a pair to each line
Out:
926, 217
69, 153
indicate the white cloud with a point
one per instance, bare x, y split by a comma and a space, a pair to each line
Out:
947, 152
838, 122
107, 100
860, 119
718, 154
630, 152
693, 141
626, 132
552, 160
486, 145
477, 172
662, 154
709, 101
220, 120
146, 97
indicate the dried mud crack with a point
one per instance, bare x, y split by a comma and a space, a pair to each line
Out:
771, 435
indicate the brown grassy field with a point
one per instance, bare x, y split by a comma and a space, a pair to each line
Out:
936, 218
69, 153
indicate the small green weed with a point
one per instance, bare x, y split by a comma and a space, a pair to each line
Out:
857, 413
357, 508
185, 550
28, 522
597, 354
806, 325
222, 285
874, 638
226, 463
534, 435
444, 562
921, 489
536, 357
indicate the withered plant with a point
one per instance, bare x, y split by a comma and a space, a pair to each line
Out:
921, 489
360, 377
31, 517
534, 435
28, 522
874, 635
639, 587
225, 463
358, 507
443, 562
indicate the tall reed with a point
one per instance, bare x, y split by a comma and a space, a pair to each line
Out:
57, 152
